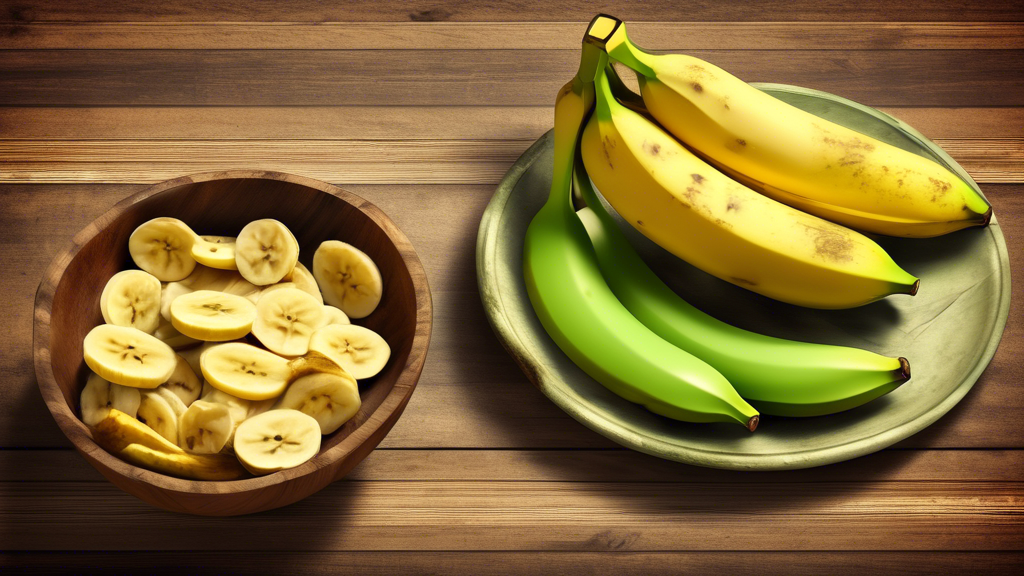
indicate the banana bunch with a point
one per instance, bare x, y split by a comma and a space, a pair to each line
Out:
616, 320
219, 356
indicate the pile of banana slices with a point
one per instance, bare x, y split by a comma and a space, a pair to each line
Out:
221, 356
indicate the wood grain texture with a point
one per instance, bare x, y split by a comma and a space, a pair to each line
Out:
562, 516
65, 311
471, 394
468, 77
24, 11
463, 161
507, 35
393, 123
613, 465
610, 563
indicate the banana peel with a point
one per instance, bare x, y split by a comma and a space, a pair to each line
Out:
133, 441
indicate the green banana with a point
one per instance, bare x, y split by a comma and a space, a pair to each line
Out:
777, 376
583, 316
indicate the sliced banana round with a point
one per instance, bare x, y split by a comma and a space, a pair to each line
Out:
245, 371
334, 315
204, 278
183, 383
238, 407
332, 399
348, 278
285, 320
132, 298
359, 350
212, 316
275, 287
215, 252
205, 427
127, 356
99, 396
303, 280
276, 440
160, 410
265, 252
163, 247
168, 334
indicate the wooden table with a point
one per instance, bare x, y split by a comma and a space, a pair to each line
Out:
420, 107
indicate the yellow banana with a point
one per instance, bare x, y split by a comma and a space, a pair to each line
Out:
796, 157
724, 228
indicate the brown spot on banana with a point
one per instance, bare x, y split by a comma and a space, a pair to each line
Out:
697, 87
697, 178
741, 281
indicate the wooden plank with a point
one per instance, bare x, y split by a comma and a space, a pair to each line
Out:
349, 161
471, 394
559, 516
988, 160
470, 77
616, 465
391, 122
532, 562
501, 10
507, 35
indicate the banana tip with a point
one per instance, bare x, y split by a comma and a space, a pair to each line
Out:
904, 369
752, 423
915, 287
987, 217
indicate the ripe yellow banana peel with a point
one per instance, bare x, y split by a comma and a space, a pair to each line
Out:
796, 157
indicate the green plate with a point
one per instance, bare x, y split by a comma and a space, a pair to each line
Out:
949, 331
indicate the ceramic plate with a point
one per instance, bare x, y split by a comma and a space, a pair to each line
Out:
949, 331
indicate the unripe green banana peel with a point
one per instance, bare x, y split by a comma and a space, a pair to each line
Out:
581, 314
793, 156
777, 376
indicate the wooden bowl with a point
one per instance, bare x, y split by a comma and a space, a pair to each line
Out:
67, 307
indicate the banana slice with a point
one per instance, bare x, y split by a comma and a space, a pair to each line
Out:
205, 427
332, 399
127, 356
238, 409
303, 280
163, 247
245, 371
348, 278
275, 287
99, 396
160, 410
132, 298
265, 252
204, 278
215, 251
168, 334
183, 383
276, 440
285, 320
360, 351
334, 315
212, 316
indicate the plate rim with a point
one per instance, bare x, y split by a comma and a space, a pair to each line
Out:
597, 420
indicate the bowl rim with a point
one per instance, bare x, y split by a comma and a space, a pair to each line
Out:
80, 436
